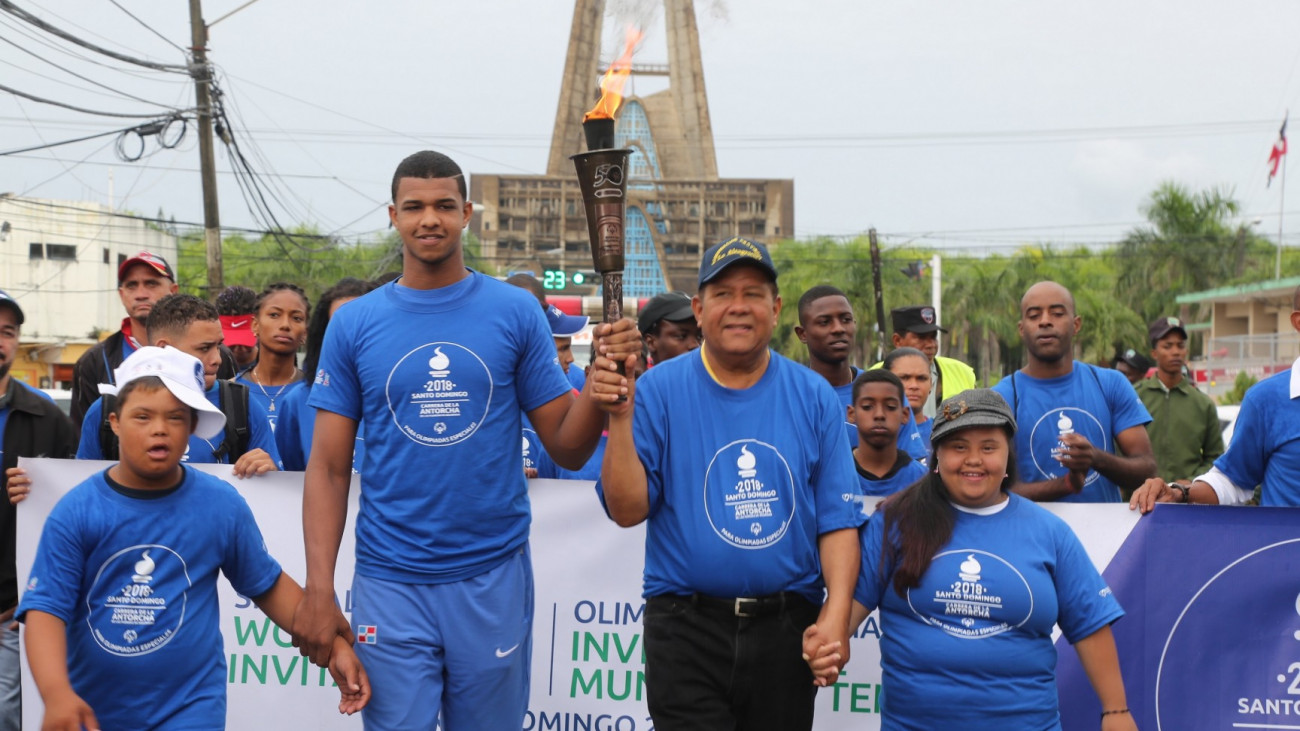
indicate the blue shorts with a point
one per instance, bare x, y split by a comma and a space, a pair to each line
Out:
462, 649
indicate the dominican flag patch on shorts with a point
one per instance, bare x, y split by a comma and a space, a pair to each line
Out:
368, 634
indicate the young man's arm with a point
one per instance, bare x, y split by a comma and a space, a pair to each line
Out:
622, 476
47, 654
317, 620
1053, 489
279, 603
570, 428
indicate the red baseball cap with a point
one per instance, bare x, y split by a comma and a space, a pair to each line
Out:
153, 261
238, 330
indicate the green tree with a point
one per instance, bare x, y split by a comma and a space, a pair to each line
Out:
1189, 246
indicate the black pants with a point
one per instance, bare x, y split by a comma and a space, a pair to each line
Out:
708, 669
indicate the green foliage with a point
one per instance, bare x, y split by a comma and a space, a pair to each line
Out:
1240, 386
1189, 245
303, 256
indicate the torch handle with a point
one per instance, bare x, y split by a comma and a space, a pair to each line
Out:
612, 298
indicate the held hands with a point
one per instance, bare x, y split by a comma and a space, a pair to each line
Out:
317, 623
619, 343
350, 676
617, 340
825, 655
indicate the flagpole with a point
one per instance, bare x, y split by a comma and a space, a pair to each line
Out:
1281, 208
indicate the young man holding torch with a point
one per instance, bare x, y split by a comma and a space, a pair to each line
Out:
439, 366
732, 579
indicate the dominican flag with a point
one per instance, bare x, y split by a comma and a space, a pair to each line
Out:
367, 634
1279, 149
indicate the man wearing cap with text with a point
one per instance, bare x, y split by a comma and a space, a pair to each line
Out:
1185, 434
32, 426
141, 281
733, 579
917, 326
668, 327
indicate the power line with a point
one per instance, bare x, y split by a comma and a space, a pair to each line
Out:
77, 75
64, 142
14, 10
146, 26
43, 100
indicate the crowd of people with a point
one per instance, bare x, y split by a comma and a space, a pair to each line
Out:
764, 551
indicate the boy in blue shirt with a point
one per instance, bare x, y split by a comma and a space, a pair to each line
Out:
192, 326
879, 410
121, 605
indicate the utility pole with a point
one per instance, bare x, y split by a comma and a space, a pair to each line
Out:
879, 295
202, 74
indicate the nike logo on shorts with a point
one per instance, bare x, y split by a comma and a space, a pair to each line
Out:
506, 653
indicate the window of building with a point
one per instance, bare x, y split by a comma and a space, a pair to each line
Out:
36, 251
107, 256
61, 252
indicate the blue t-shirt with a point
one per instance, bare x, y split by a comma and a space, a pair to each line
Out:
200, 450
546, 466
270, 398
1095, 402
971, 646
1265, 448
904, 472
440, 378
741, 482
576, 376
295, 427
532, 447
135, 580
924, 430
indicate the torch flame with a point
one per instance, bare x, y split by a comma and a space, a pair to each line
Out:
611, 86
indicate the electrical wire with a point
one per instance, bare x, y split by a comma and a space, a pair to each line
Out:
62, 142
8, 7
145, 74
146, 26
83, 110
87, 79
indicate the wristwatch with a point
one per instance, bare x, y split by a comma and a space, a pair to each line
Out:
1184, 489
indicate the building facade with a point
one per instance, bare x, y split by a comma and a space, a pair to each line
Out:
60, 261
677, 205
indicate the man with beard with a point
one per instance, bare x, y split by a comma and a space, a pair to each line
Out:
32, 426
142, 280
1072, 416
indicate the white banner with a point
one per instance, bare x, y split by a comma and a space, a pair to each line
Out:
588, 658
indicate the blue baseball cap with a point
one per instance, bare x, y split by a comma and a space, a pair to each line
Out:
732, 251
562, 325
11, 303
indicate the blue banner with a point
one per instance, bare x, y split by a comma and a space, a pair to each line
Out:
1211, 638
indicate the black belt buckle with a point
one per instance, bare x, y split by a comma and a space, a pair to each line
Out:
748, 607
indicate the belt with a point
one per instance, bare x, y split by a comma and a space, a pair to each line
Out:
744, 606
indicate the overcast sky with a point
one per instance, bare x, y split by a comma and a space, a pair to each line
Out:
978, 125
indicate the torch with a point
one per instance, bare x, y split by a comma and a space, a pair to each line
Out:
602, 179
